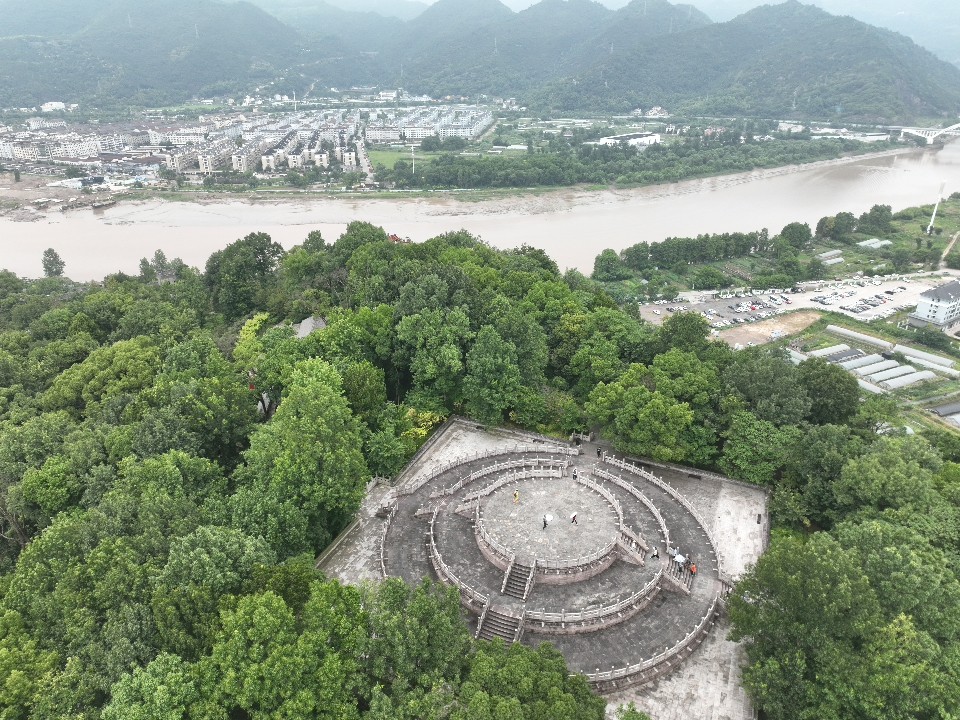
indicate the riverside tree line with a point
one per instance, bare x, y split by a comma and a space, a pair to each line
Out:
173, 457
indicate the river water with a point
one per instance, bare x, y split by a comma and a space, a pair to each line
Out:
573, 226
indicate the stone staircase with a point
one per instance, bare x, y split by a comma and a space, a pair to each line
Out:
518, 581
678, 579
498, 624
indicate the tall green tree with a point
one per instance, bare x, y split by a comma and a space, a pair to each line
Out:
304, 473
492, 380
240, 277
833, 392
53, 264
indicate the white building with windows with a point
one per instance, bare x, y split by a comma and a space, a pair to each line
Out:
939, 306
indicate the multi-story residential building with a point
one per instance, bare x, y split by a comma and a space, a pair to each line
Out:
382, 133
181, 160
939, 306
214, 155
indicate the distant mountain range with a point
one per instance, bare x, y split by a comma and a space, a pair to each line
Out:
565, 55
152, 52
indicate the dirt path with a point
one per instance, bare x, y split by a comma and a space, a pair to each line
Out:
953, 241
766, 331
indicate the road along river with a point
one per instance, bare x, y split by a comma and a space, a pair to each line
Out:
573, 226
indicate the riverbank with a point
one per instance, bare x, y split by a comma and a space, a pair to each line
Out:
571, 224
17, 200
575, 193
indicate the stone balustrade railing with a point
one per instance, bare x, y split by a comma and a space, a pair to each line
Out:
607, 495
540, 468
517, 448
443, 570
581, 561
665, 656
488, 539
599, 612
672, 491
383, 539
647, 502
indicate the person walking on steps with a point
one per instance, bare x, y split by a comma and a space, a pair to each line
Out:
516, 497
573, 518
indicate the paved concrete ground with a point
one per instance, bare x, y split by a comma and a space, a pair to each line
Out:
705, 686
520, 526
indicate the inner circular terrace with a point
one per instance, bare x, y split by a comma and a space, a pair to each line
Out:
534, 519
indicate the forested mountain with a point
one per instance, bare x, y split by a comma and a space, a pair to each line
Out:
350, 28
934, 24
151, 52
549, 40
789, 59
563, 55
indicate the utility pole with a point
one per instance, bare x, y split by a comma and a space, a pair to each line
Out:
935, 207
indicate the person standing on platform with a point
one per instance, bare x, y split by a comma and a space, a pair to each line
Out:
544, 522
516, 497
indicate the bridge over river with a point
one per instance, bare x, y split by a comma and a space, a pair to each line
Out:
930, 134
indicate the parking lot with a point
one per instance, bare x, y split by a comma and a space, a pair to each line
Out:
862, 298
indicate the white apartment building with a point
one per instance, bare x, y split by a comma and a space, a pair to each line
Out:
939, 306
418, 132
349, 159
181, 137
74, 146
382, 133
27, 151
110, 143
215, 155
181, 160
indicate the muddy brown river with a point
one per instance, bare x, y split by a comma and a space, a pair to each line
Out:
573, 226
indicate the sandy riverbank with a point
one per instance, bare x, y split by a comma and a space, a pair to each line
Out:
530, 201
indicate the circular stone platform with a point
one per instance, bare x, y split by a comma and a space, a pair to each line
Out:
519, 526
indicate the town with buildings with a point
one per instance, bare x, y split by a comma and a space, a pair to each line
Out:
241, 142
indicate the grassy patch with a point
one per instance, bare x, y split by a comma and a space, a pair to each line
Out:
389, 158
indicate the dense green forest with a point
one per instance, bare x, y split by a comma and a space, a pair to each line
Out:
569, 162
172, 458
556, 56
